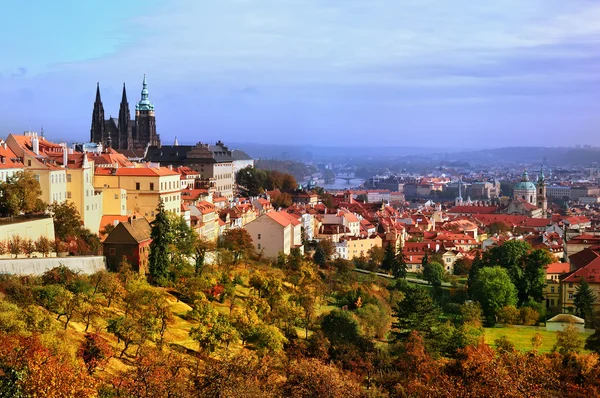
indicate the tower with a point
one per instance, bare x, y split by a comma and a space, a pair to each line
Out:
124, 122
459, 200
542, 199
97, 130
145, 122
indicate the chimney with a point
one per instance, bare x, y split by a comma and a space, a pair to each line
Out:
35, 145
3, 159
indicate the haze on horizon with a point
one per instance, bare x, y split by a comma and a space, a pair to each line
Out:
320, 72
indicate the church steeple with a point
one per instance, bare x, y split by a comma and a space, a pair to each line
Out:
97, 129
124, 121
145, 104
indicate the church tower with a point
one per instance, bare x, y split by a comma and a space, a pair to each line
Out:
124, 122
97, 130
145, 122
542, 199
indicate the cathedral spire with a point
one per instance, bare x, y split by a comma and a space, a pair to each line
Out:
98, 99
145, 104
124, 96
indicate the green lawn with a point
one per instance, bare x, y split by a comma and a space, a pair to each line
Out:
521, 337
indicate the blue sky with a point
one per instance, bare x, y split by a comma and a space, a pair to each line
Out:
453, 73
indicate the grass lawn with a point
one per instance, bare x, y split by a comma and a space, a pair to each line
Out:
521, 337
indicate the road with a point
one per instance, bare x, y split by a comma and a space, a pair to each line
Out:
413, 280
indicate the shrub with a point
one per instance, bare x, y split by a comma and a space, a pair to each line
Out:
529, 316
15, 245
27, 246
508, 315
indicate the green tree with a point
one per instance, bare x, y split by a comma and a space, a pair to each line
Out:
493, 289
584, 300
416, 312
213, 330
399, 266
320, 258
159, 247
20, 193
282, 201
251, 181
341, 327
433, 272
67, 220
389, 258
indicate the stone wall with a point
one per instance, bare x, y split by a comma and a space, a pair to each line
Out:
37, 266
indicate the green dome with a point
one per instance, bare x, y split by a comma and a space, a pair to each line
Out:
525, 185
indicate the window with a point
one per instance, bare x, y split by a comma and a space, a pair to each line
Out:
552, 289
116, 196
258, 236
137, 186
152, 186
259, 246
68, 177
29, 162
570, 285
570, 296
112, 251
552, 302
69, 195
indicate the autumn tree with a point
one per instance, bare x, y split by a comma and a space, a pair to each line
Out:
311, 378
568, 340
44, 245
213, 330
15, 245
95, 351
238, 241
20, 194
125, 330
158, 261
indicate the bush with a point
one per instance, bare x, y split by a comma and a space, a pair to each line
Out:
529, 316
508, 315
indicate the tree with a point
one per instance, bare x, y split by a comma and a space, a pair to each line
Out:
341, 327
238, 241
389, 258
416, 312
200, 248
493, 289
462, 266
67, 220
399, 266
288, 183
568, 341
20, 193
433, 272
320, 258
158, 261
251, 181
44, 245
124, 329
15, 245
213, 330
282, 201
584, 300
27, 246
95, 351
309, 378
267, 339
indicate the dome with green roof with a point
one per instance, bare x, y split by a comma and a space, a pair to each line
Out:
525, 189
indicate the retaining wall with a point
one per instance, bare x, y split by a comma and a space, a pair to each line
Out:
37, 266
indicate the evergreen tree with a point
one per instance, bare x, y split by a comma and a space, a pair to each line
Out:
320, 257
159, 248
584, 301
433, 273
416, 312
399, 266
389, 258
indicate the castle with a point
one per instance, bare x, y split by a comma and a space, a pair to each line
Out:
122, 132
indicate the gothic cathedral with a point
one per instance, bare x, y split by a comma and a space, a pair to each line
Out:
124, 133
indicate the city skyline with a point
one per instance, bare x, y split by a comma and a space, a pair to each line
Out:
458, 75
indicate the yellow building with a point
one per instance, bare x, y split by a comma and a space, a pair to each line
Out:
568, 285
360, 247
114, 201
35, 153
145, 187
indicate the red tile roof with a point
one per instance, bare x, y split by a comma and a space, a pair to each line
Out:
558, 268
136, 171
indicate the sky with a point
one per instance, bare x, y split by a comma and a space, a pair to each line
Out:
444, 73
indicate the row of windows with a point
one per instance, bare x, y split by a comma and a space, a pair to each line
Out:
58, 197
224, 176
170, 198
94, 207
57, 179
